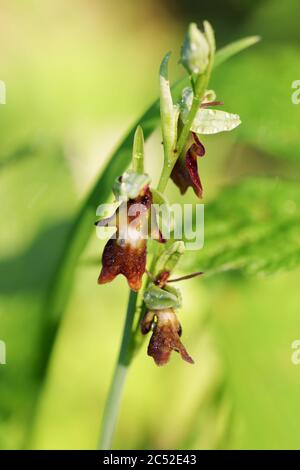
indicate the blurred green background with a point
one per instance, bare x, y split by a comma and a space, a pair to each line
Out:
78, 74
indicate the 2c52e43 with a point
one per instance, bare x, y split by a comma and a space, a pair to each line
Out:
171, 459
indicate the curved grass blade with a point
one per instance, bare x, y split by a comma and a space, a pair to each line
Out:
234, 48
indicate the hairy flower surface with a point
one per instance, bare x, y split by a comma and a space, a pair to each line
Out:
165, 337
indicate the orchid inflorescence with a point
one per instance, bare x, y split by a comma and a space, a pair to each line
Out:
183, 123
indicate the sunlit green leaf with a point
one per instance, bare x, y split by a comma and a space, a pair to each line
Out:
156, 298
253, 228
207, 121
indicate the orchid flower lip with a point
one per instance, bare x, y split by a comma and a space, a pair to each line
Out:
126, 254
166, 331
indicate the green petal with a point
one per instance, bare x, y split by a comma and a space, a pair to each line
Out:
212, 121
156, 298
169, 112
130, 185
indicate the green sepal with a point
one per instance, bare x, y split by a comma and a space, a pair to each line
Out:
107, 210
138, 151
207, 121
130, 185
156, 298
195, 51
168, 111
210, 95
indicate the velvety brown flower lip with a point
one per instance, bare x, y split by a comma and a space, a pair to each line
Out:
127, 256
165, 336
185, 172
123, 259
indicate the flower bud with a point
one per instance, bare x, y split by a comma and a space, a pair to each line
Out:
195, 51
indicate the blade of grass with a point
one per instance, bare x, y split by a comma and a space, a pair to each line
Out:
234, 48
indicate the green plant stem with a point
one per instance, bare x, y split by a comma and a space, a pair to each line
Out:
129, 336
199, 91
164, 177
112, 406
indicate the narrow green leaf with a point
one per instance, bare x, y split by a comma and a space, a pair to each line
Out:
138, 151
252, 228
275, 128
169, 113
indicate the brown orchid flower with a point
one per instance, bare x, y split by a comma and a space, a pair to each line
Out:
125, 252
165, 326
185, 172
165, 337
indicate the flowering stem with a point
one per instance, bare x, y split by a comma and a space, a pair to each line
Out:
164, 177
173, 148
112, 406
199, 90
128, 341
